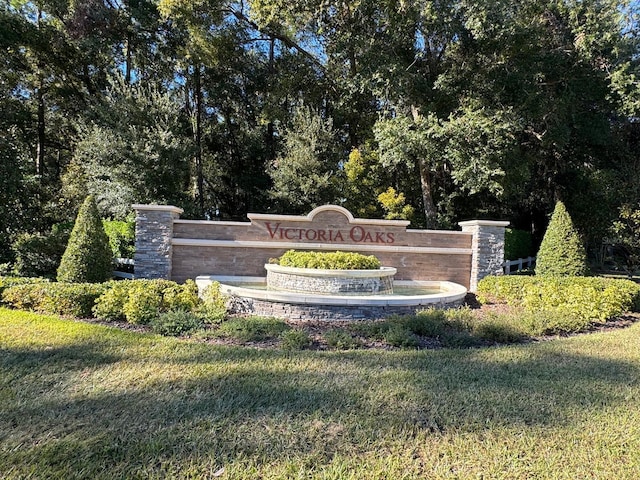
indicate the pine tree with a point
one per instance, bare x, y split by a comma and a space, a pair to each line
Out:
88, 254
562, 252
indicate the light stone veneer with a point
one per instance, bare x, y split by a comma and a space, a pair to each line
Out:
487, 248
154, 234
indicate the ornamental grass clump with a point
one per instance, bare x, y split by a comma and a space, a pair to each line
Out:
329, 260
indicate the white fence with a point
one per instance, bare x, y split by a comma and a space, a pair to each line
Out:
520, 264
122, 262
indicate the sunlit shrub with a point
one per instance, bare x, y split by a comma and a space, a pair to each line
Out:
329, 260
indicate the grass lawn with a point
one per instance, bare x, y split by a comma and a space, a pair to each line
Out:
79, 400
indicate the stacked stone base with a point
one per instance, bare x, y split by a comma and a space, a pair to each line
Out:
309, 313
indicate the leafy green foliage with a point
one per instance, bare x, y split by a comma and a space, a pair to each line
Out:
329, 260
566, 304
122, 237
517, 244
303, 175
252, 329
213, 307
8, 282
295, 339
175, 323
626, 231
133, 152
72, 299
40, 254
394, 204
140, 301
562, 252
88, 256
341, 339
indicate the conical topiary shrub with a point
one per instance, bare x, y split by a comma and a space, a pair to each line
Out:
88, 254
561, 253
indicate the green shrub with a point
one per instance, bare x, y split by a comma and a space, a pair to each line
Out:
39, 254
252, 329
8, 282
508, 289
329, 260
341, 339
399, 336
294, 340
175, 323
562, 252
88, 256
517, 244
140, 301
122, 238
74, 299
501, 328
563, 304
213, 307
551, 322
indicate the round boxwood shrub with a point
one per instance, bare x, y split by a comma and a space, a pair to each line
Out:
88, 255
329, 260
562, 252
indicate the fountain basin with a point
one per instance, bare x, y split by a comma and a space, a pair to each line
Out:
250, 295
330, 282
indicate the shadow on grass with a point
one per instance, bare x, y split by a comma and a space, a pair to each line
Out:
218, 404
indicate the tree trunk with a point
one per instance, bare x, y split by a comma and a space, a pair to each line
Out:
41, 130
128, 59
427, 197
40, 147
425, 182
197, 85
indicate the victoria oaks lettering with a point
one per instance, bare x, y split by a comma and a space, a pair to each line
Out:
356, 234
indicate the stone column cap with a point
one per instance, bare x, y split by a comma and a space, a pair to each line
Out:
484, 223
157, 208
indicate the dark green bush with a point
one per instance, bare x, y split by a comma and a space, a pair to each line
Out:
562, 252
140, 301
517, 244
88, 256
399, 336
505, 328
39, 254
294, 340
252, 329
329, 260
122, 237
73, 299
341, 339
175, 323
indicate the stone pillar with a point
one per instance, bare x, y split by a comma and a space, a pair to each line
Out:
488, 248
154, 234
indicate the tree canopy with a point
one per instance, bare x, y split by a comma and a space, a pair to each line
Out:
449, 110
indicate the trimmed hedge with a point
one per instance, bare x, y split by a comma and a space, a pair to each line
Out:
73, 299
8, 282
329, 260
140, 301
564, 303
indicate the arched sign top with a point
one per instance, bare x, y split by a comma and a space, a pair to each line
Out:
331, 208
310, 217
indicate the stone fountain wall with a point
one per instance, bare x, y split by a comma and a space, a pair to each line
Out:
168, 247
